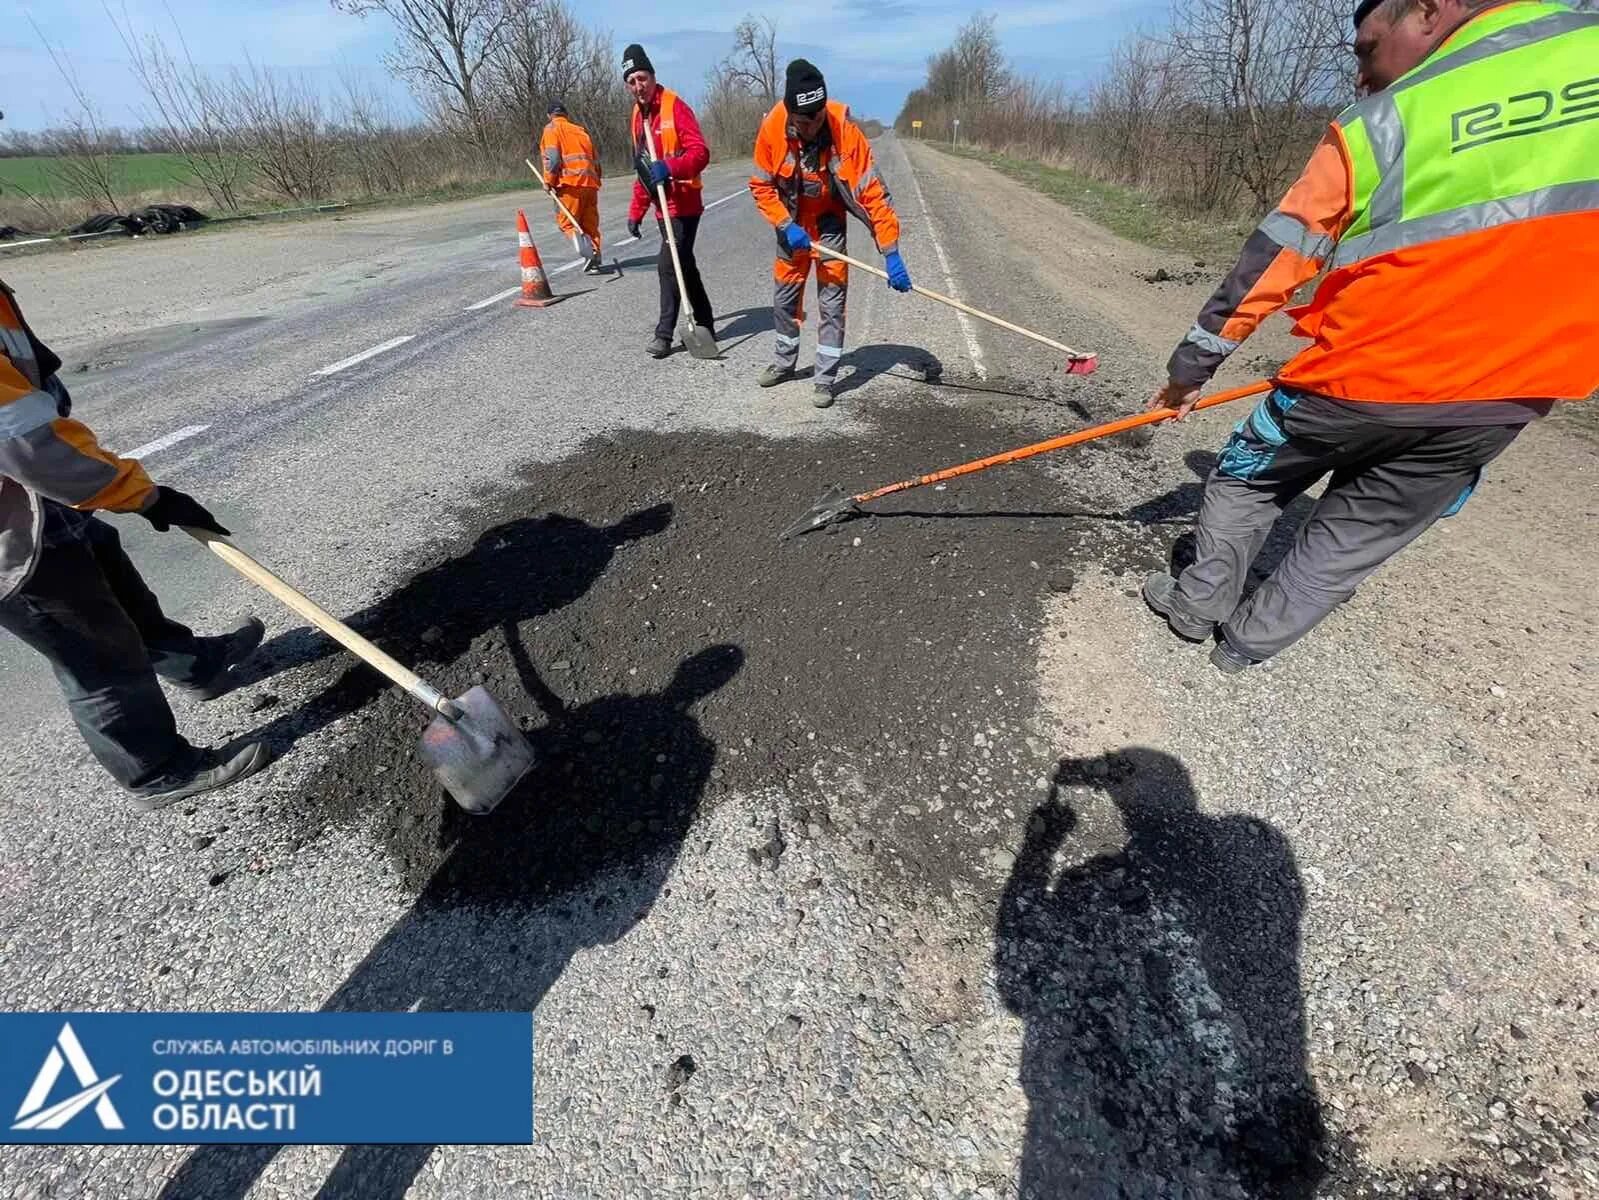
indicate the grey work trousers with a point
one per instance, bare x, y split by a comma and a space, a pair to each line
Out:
88, 611
1388, 484
832, 293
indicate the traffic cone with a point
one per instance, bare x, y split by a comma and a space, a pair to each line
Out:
535, 288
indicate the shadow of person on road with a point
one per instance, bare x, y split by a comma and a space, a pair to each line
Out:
515, 572
1164, 1049
744, 322
865, 363
574, 858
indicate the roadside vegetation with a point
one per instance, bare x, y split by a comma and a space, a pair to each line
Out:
1211, 119
244, 139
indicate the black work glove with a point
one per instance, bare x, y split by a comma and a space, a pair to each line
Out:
173, 507
633, 228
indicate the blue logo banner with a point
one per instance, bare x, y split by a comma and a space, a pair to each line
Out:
286, 1078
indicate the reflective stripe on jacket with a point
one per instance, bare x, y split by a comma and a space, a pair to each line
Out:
1457, 215
43, 453
846, 175
568, 155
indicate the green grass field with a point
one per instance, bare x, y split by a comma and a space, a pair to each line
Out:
132, 173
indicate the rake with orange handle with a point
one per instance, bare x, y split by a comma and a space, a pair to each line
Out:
1078, 362
836, 506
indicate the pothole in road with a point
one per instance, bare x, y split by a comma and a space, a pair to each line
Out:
633, 608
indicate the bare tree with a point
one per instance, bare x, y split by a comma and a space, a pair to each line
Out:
549, 54
753, 63
443, 47
80, 157
1268, 70
281, 129
190, 109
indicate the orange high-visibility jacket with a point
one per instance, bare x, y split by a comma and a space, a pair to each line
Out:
569, 158
1493, 300
846, 175
668, 145
43, 453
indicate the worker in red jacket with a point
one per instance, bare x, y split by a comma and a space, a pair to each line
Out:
683, 155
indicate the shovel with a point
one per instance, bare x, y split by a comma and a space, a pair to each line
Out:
701, 342
1078, 362
474, 748
838, 506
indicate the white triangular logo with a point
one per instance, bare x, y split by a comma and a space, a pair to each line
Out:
67, 1052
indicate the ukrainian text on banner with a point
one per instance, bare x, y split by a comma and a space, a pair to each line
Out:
293, 1078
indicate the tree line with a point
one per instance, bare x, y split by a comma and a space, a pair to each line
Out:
483, 73
1215, 113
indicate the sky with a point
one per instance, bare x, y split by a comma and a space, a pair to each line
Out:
872, 51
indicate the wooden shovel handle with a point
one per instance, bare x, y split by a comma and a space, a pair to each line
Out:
554, 195
1075, 355
666, 220
397, 672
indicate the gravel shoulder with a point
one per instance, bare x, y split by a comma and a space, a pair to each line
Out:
1421, 769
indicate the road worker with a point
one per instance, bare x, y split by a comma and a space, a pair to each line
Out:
813, 167
572, 174
683, 154
68, 590
1455, 209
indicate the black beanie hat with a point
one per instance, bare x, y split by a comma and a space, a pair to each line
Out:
1363, 10
805, 92
557, 108
634, 59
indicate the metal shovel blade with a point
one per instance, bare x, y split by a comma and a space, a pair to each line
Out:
838, 505
701, 342
480, 757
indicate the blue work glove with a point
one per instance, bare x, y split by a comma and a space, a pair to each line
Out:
898, 277
660, 173
795, 237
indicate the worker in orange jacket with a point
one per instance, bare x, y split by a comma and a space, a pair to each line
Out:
813, 166
1457, 304
572, 173
68, 590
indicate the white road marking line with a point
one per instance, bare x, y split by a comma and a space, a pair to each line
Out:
725, 199
627, 242
345, 364
973, 347
495, 299
172, 439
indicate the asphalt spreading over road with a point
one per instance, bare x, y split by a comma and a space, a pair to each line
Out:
635, 611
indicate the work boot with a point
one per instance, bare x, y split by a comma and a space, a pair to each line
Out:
212, 769
822, 395
236, 648
595, 266
771, 375
1160, 593
659, 347
1229, 661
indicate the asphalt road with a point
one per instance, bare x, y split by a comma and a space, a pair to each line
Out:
913, 860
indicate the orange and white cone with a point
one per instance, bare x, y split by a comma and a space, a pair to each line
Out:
535, 288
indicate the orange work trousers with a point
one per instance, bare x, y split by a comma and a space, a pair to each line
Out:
584, 204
